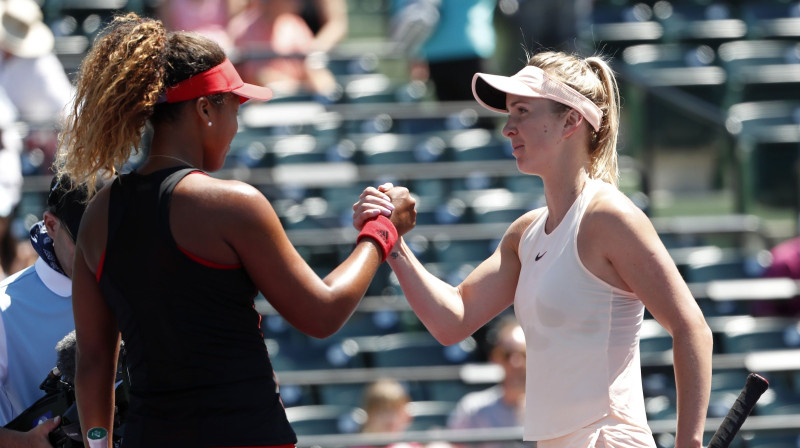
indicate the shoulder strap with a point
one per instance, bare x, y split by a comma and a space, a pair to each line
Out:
116, 208
165, 195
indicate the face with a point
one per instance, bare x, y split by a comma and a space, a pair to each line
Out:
510, 354
224, 125
63, 242
534, 128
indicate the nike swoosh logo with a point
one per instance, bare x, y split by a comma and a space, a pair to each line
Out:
539, 256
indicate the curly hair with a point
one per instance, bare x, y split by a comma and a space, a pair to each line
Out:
594, 79
118, 89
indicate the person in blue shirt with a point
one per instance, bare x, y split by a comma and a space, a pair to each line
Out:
36, 313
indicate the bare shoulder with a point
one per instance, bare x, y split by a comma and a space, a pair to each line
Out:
614, 222
517, 228
611, 207
210, 195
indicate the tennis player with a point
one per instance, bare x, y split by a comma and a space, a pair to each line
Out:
171, 258
579, 271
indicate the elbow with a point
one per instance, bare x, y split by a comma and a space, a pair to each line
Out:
321, 329
696, 334
444, 337
325, 324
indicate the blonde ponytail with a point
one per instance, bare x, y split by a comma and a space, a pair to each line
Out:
594, 79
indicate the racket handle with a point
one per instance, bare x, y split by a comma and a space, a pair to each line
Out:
755, 386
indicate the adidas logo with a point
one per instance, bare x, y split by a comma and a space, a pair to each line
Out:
384, 234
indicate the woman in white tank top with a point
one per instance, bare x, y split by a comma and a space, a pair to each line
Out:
579, 271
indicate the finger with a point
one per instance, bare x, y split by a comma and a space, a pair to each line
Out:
360, 219
375, 192
48, 425
386, 187
373, 202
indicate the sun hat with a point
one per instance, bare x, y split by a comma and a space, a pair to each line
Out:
532, 82
67, 203
220, 79
22, 31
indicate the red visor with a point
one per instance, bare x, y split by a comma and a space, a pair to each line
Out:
220, 79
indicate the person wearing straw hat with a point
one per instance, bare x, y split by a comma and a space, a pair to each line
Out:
170, 259
30, 72
579, 271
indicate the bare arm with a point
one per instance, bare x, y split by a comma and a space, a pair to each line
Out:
333, 16
451, 313
631, 245
95, 326
96, 357
251, 233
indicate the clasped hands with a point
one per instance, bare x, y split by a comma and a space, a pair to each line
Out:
393, 202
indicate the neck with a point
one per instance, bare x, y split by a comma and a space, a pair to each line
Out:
562, 195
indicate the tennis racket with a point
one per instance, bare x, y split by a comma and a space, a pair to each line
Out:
755, 386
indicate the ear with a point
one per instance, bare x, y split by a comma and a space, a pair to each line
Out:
202, 108
573, 122
51, 223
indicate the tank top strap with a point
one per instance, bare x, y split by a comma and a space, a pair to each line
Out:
587, 194
166, 187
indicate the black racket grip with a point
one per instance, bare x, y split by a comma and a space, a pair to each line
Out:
755, 386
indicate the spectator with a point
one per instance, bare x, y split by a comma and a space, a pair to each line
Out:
14, 254
785, 263
273, 41
449, 40
207, 17
36, 313
30, 72
502, 405
170, 259
328, 22
386, 404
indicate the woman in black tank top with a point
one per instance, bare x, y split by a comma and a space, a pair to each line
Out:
170, 259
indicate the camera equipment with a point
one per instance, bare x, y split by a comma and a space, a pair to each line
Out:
59, 399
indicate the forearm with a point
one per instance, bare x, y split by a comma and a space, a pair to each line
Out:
438, 305
692, 351
94, 392
349, 281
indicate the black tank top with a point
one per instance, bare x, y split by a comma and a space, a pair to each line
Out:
199, 369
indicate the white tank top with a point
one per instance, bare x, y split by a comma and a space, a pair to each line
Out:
582, 334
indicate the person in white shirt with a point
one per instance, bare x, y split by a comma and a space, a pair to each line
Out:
579, 271
31, 74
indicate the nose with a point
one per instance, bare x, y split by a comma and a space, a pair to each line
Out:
509, 129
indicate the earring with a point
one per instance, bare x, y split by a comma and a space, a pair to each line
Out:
209, 124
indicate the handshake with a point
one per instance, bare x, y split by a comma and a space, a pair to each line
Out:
386, 200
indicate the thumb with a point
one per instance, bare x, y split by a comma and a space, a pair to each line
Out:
48, 425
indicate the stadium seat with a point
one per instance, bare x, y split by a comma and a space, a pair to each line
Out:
325, 419
619, 24
768, 139
429, 415
690, 68
699, 22
761, 70
775, 19
748, 334
410, 349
